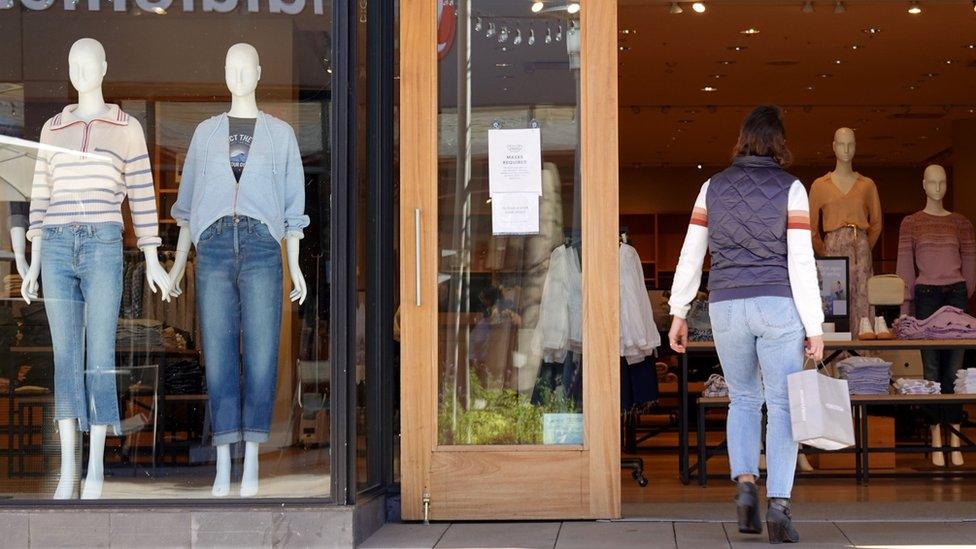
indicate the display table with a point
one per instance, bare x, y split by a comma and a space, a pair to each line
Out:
833, 349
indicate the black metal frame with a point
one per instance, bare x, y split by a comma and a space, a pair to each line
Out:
343, 244
380, 264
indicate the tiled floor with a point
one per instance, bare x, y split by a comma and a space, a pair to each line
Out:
636, 534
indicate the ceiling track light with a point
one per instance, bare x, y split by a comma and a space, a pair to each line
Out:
914, 8
839, 7
675, 9
572, 8
699, 7
808, 7
537, 6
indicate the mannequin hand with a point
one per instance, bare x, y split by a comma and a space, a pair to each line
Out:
22, 265
30, 285
176, 278
156, 275
678, 335
298, 288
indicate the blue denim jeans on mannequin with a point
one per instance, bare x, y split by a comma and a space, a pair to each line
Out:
81, 277
239, 298
759, 342
942, 366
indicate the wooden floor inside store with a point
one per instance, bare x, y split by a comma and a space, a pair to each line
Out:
823, 486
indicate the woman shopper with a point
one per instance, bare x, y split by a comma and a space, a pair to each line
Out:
764, 301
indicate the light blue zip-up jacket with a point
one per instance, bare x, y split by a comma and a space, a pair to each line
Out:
271, 189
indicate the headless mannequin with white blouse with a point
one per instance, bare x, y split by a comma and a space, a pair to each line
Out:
87, 68
242, 71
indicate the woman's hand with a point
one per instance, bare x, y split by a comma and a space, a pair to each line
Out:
678, 336
815, 348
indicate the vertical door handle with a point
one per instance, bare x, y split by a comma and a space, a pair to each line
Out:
416, 250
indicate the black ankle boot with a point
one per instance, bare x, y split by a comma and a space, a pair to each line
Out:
747, 508
779, 522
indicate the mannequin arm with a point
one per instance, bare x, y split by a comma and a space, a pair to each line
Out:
156, 275
298, 288
29, 287
179, 264
18, 239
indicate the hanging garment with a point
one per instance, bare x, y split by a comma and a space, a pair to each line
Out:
638, 384
560, 320
639, 337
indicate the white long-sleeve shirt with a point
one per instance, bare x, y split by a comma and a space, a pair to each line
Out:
800, 260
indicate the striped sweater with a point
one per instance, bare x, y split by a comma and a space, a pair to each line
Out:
86, 168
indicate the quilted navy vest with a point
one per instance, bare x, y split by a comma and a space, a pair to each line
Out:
747, 218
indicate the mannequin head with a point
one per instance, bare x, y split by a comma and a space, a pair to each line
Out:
87, 65
844, 145
935, 182
242, 69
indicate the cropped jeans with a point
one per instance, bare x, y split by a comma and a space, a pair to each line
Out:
81, 274
239, 297
759, 342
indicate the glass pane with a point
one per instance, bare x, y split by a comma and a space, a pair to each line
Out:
509, 246
77, 363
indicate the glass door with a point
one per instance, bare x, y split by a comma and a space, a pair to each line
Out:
510, 398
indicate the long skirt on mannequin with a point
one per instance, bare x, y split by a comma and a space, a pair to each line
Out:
853, 244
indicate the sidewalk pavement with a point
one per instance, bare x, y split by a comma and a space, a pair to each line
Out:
652, 534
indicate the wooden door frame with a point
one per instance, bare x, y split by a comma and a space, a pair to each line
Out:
597, 462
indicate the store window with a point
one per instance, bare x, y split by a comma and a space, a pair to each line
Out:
165, 314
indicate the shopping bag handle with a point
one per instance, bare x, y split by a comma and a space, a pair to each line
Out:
818, 363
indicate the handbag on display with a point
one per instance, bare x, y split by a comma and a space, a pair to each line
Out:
886, 289
820, 410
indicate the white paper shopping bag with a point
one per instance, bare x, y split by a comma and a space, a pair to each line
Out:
820, 410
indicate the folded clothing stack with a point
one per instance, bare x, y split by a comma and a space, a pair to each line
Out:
12, 283
139, 333
865, 375
947, 323
966, 382
716, 387
907, 386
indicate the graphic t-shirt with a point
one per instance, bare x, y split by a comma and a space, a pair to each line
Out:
241, 135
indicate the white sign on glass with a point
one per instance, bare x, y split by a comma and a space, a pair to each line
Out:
515, 214
515, 161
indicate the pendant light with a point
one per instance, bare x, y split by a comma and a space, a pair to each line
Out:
531, 35
676, 9
517, 41
548, 34
559, 32
839, 7
491, 30
477, 25
808, 7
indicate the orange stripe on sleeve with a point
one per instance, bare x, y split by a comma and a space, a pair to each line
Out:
699, 217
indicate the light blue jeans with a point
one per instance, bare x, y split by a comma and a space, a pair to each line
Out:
239, 301
759, 342
81, 275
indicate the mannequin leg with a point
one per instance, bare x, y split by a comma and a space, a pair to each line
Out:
221, 485
956, 456
96, 456
68, 432
938, 459
249, 481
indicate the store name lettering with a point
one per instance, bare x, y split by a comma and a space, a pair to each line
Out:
287, 7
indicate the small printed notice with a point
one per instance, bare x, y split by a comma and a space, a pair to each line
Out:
515, 214
562, 428
515, 161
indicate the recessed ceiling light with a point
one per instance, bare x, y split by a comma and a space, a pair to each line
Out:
624, 48
808, 7
913, 88
503, 65
717, 76
871, 31
811, 88
914, 8
709, 89
537, 6
839, 7
825, 75
627, 31
726, 62
685, 121
949, 61
750, 31
572, 7
931, 74
838, 61
676, 8
738, 48
970, 46
699, 7
856, 47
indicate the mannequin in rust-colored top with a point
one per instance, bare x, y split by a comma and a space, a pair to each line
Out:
845, 206
937, 260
